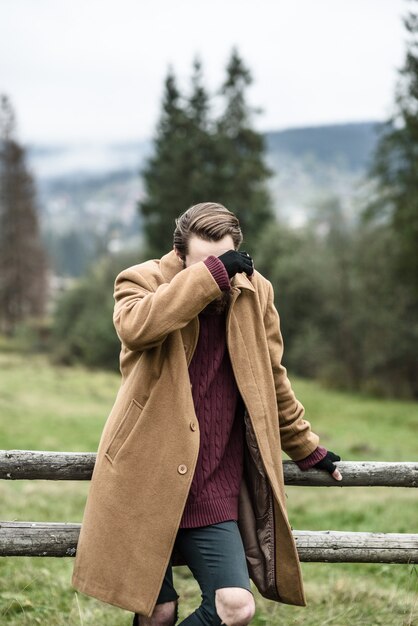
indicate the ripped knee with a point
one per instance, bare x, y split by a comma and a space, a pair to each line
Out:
235, 606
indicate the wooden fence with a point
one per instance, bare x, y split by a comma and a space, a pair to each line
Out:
60, 539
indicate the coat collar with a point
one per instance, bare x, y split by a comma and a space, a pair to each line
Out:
243, 282
170, 266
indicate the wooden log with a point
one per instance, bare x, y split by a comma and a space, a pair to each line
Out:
328, 546
38, 538
355, 474
46, 465
350, 547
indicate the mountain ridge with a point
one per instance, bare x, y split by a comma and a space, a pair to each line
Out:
351, 142
89, 193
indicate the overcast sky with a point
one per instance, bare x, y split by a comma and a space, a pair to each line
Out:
93, 70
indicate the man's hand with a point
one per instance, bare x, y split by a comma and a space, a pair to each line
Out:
327, 464
236, 262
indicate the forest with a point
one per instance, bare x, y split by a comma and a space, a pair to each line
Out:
345, 282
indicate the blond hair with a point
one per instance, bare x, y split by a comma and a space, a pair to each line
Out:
209, 221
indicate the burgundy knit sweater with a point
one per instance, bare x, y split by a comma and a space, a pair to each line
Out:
213, 495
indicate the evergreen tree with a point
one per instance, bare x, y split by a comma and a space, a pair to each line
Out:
395, 166
200, 141
394, 215
240, 171
23, 266
160, 175
178, 173
198, 160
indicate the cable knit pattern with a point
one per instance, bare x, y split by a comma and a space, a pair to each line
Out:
317, 455
218, 271
213, 495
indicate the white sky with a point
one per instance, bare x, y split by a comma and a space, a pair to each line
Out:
93, 70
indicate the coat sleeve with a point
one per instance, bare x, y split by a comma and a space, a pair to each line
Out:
297, 438
143, 316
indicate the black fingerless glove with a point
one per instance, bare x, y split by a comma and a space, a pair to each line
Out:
327, 462
236, 262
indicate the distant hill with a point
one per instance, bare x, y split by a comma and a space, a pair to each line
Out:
349, 144
89, 193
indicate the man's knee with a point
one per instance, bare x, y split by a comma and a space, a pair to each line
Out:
235, 606
164, 614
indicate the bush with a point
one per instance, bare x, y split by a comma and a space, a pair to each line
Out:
83, 330
346, 319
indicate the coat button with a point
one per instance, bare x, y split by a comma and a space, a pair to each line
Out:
182, 469
193, 426
185, 347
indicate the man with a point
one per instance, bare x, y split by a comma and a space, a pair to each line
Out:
188, 468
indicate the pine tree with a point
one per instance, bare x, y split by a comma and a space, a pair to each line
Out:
200, 144
23, 266
178, 174
241, 172
160, 207
393, 216
395, 166
200, 160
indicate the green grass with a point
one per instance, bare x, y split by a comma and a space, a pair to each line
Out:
54, 408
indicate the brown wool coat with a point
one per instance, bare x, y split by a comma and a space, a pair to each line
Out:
149, 445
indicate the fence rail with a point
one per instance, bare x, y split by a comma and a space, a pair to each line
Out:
46, 465
55, 539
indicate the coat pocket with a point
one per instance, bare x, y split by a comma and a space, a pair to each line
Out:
127, 423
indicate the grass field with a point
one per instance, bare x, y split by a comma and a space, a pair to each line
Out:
53, 408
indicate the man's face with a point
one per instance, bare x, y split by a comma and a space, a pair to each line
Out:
199, 249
